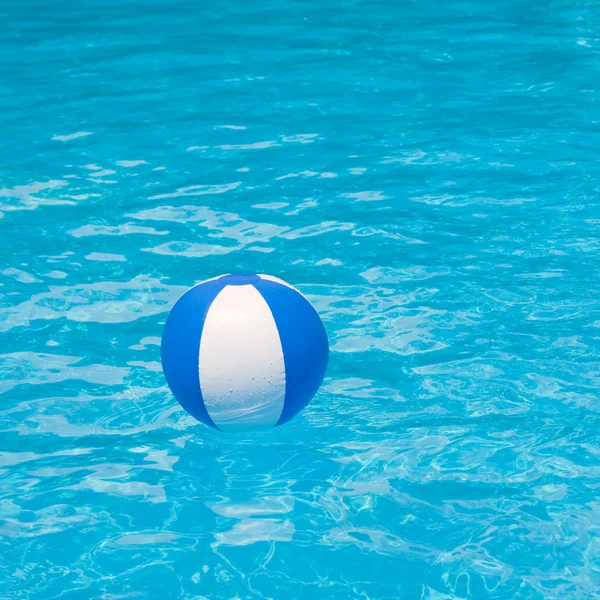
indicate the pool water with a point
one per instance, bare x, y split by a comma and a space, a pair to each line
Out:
426, 173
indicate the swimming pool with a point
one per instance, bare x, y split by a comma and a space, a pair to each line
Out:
426, 174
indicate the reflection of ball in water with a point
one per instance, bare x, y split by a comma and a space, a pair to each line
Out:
244, 351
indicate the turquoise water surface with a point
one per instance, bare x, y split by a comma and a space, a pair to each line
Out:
426, 173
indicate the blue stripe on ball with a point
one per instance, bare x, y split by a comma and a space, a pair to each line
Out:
239, 279
180, 346
304, 343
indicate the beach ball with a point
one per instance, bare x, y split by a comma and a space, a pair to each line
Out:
244, 351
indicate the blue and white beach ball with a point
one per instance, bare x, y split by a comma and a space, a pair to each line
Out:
244, 351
